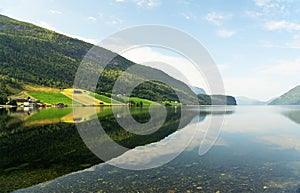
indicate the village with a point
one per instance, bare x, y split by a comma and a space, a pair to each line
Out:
30, 103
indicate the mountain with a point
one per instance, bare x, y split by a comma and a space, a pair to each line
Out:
248, 101
216, 100
270, 100
198, 90
292, 97
33, 55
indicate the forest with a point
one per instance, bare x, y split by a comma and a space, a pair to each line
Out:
31, 55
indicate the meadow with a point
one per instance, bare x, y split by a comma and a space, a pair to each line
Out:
50, 97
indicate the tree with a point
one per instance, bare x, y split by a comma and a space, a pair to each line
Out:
3, 99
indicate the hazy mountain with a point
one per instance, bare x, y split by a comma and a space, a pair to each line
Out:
198, 90
241, 100
292, 97
216, 100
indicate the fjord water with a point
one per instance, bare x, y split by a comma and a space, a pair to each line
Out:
258, 150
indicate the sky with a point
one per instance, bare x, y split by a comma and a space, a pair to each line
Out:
254, 43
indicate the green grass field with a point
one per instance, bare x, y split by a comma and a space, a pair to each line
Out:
50, 97
105, 99
58, 97
50, 114
172, 103
138, 100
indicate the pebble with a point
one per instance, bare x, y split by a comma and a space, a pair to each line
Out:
199, 188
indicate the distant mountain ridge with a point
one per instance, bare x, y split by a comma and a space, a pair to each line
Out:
241, 100
198, 90
216, 99
292, 97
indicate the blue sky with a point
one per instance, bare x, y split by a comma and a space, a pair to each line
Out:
255, 43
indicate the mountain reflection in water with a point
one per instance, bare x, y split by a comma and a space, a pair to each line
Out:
258, 151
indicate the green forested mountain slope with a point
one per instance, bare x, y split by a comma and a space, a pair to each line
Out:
292, 97
36, 55
33, 55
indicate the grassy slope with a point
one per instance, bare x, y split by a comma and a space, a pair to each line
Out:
31, 87
105, 99
65, 97
83, 98
136, 100
50, 97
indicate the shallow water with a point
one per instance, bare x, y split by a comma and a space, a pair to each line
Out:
257, 150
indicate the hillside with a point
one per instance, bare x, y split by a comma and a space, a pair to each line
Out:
292, 97
33, 55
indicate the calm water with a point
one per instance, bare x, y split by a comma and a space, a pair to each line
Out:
257, 150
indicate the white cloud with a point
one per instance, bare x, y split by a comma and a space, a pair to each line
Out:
188, 16
264, 82
119, 1
293, 45
296, 36
272, 8
255, 86
283, 68
90, 18
216, 18
253, 14
223, 67
288, 45
225, 33
282, 25
147, 3
261, 3
114, 21
290, 141
174, 65
55, 12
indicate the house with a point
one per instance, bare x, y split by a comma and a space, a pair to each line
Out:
28, 104
77, 92
59, 105
20, 100
33, 101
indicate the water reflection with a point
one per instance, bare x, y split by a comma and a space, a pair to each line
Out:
293, 113
257, 151
45, 144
